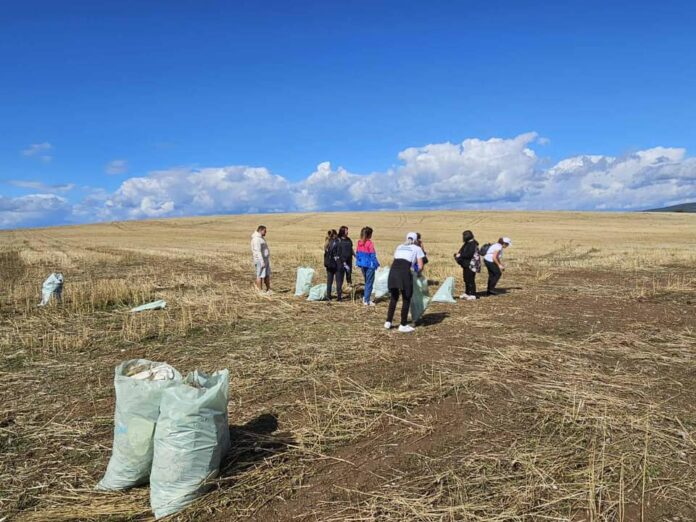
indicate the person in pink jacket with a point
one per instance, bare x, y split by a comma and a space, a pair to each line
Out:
366, 259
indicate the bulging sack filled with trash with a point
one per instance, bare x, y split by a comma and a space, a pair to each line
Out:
445, 294
381, 286
317, 293
52, 287
303, 284
420, 299
191, 439
139, 385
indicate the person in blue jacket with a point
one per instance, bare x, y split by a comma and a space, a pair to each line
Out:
366, 259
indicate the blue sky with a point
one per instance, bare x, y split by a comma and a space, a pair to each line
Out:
128, 110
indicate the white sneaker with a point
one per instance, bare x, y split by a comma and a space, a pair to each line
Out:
371, 303
406, 329
470, 298
387, 325
463, 296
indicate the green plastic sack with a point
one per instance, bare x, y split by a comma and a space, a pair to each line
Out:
160, 304
191, 439
420, 299
445, 294
317, 293
139, 386
304, 281
381, 286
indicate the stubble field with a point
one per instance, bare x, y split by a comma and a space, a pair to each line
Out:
572, 396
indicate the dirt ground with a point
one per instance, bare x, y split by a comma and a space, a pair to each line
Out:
570, 396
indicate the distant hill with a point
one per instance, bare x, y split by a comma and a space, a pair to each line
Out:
684, 207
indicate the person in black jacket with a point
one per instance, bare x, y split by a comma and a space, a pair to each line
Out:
466, 254
345, 261
330, 259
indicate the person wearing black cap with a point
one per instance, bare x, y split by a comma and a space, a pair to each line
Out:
400, 280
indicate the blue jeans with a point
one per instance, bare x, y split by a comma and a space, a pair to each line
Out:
369, 275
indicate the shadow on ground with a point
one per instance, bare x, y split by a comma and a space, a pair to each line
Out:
432, 319
253, 442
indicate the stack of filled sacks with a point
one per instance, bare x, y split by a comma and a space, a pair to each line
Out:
170, 431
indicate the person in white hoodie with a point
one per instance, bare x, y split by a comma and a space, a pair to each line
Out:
262, 258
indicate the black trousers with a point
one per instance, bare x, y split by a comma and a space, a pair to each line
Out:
405, 304
341, 272
330, 276
494, 274
469, 281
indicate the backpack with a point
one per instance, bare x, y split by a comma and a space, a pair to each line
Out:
483, 250
475, 263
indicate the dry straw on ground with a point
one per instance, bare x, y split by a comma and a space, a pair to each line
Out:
571, 397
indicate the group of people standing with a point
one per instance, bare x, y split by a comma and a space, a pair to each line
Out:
338, 261
409, 257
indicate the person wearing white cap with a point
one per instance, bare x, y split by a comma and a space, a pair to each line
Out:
493, 262
400, 280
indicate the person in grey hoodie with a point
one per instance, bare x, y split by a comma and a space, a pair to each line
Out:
261, 256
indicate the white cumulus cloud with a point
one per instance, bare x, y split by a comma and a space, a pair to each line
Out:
496, 173
33, 210
649, 178
183, 192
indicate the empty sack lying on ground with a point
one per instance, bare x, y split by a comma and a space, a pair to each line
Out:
139, 385
52, 287
304, 281
445, 294
381, 286
317, 293
420, 299
191, 439
160, 304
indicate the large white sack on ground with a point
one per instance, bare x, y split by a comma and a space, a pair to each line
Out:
191, 439
317, 293
304, 281
52, 286
381, 286
160, 304
139, 385
420, 299
445, 294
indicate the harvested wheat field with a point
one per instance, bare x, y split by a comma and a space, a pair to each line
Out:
572, 396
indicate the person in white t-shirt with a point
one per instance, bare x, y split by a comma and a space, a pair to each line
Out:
400, 280
494, 264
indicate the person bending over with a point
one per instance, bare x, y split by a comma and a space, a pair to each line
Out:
494, 265
400, 280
